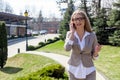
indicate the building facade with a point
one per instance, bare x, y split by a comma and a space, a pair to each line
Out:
15, 24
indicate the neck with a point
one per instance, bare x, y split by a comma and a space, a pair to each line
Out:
80, 33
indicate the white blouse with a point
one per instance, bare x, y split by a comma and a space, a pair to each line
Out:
80, 71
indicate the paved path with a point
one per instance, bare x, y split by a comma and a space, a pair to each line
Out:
20, 43
61, 59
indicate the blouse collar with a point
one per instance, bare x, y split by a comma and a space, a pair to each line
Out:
86, 34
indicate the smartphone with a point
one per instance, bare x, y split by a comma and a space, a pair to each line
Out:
74, 26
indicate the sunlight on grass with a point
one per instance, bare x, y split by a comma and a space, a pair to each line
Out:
23, 64
56, 47
108, 62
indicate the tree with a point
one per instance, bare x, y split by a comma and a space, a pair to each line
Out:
114, 21
64, 25
100, 27
95, 7
3, 44
84, 2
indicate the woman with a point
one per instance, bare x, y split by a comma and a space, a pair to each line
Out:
82, 43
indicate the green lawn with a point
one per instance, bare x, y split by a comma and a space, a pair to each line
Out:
23, 64
108, 62
56, 47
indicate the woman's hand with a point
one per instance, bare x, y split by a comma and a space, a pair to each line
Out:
97, 49
72, 29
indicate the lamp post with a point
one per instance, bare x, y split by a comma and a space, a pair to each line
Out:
26, 15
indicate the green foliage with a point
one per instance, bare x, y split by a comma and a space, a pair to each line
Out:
49, 72
56, 39
99, 26
114, 21
117, 4
64, 25
41, 43
49, 41
102, 36
3, 44
114, 17
115, 38
61, 37
31, 47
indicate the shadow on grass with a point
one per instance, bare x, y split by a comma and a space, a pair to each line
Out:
10, 70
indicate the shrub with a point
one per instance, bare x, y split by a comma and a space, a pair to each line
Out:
56, 38
50, 72
31, 47
49, 41
61, 37
41, 44
115, 38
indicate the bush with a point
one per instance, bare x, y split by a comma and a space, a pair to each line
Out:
56, 39
31, 47
49, 41
50, 72
61, 37
115, 38
41, 44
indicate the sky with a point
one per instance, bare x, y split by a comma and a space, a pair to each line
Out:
49, 8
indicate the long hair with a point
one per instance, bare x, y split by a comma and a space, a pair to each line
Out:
87, 26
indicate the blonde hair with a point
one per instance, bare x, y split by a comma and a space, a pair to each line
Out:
87, 26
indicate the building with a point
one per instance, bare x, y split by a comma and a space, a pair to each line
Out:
15, 24
51, 26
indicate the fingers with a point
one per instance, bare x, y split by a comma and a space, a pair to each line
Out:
71, 27
98, 48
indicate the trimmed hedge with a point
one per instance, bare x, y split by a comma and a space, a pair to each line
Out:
41, 44
50, 72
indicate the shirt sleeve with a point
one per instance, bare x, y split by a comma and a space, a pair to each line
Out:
94, 44
70, 42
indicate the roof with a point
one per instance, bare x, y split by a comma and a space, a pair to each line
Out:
12, 17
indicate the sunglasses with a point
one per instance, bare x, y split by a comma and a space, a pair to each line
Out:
78, 19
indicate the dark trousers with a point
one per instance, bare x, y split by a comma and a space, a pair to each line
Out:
91, 76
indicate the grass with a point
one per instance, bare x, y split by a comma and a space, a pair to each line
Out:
56, 47
108, 62
22, 65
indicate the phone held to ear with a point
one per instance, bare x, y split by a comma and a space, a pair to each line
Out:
74, 26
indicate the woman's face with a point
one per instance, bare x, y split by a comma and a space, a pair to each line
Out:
78, 20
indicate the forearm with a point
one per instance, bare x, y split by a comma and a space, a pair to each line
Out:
68, 41
71, 37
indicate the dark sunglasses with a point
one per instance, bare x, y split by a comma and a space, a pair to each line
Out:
78, 19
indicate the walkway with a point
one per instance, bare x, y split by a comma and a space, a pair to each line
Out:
61, 59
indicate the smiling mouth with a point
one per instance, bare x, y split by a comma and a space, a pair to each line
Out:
79, 24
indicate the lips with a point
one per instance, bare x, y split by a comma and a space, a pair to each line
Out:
79, 24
